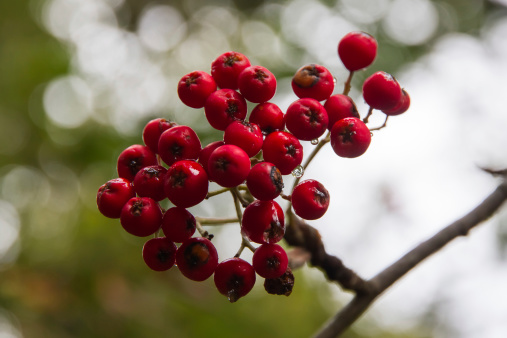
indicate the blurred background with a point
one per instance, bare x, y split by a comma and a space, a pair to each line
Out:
80, 78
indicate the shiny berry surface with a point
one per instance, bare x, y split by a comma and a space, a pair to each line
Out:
357, 50
257, 84
246, 135
306, 119
186, 183
268, 116
228, 165
402, 105
153, 130
226, 68
179, 143
339, 106
224, 107
313, 81
178, 224
350, 137
141, 216
234, 278
265, 181
283, 150
195, 87
381, 91
270, 260
159, 254
133, 159
310, 200
113, 195
197, 258
149, 182
263, 222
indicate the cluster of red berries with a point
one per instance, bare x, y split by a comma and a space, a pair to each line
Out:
249, 162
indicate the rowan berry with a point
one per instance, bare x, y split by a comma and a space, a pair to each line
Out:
357, 50
153, 130
141, 216
133, 159
149, 182
159, 253
263, 222
401, 107
310, 200
350, 137
268, 116
283, 150
228, 165
338, 107
178, 224
186, 183
264, 181
179, 143
313, 81
257, 84
223, 107
270, 260
195, 87
112, 196
206, 152
306, 119
246, 135
234, 278
381, 91
227, 67
197, 258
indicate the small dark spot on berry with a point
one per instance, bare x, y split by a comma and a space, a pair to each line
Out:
196, 255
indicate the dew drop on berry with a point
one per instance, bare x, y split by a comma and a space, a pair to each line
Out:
315, 141
298, 171
371, 133
334, 80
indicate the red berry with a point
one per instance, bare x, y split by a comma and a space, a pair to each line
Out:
179, 143
197, 258
350, 137
227, 67
141, 216
339, 106
149, 182
159, 253
268, 116
178, 224
381, 91
263, 222
313, 81
283, 150
234, 278
264, 181
195, 87
247, 136
401, 107
306, 119
357, 50
113, 195
310, 200
224, 107
186, 184
228, 165
206, 152
133, 159
270, 260
257, 84
153, 130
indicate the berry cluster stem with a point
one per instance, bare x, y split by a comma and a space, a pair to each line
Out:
202, 231
245, 243
370, 111
348, 86
382, 126
215, 221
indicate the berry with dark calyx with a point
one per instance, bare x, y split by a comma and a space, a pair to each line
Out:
263, 222
228, 165
306, 119
113, 195
350, 137
313, 81
270, 261
246, 135
141, 216
197, 258
224, 107
178, 224
149, 182
159, 253
401, 107
357, 50
339, 106
153, 130
186, 183
206, 152
227, 67
283, 150
234, 278
282, 285
381, 91
179, 143
195, 87
133, 159
268, 116
310, 200
264, 181
257, 84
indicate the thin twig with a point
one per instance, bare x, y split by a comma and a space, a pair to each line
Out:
382, 126
215, 221
348, 86
370, 111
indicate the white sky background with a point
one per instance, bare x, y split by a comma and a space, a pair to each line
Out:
420, 173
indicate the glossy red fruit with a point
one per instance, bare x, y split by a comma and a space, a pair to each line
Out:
197, 258
257, 84
357, 50
195, 87
268, 116
306, 119
246, 135
350, 137
381, 91
339, 106
313, 81
141, 216
153, 130
224, 107
149, 182
228, 165
270, 260
401, 107
264, 181
178, 224
133, 159
206, 153
310, 200
159, 254
113, 195
186, 183
283, 150
234, 278
226, 68
179, 143
263, 222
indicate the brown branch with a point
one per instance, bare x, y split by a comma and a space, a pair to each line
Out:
378, 284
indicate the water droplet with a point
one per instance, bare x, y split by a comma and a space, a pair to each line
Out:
298, 171
334, 80
315, 141
371, 133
